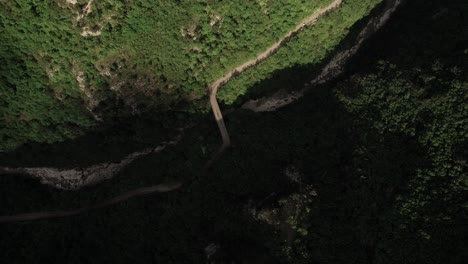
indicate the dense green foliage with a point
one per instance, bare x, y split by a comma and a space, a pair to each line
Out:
425, 210
380, 156
310, 47
98, 60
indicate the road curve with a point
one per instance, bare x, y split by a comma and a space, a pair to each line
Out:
213, 88
334, 68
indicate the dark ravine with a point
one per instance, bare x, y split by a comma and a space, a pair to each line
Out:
103, 171
76, 178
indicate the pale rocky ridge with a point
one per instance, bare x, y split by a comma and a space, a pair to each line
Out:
76, 178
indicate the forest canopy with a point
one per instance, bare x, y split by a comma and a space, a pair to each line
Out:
67, 66
370, 167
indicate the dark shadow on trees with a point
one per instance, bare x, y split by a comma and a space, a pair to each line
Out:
358, 174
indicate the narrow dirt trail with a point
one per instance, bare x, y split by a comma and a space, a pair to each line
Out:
160, 188
75, 178
337, 62
334, 68
213, 88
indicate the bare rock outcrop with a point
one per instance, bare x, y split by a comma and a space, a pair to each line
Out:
76, 178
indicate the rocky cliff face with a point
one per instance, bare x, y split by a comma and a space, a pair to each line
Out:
73, 65
332, 69
75, 178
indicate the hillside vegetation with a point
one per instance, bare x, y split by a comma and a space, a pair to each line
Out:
370, 168
68, 65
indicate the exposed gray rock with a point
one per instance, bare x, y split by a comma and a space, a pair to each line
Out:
76, 178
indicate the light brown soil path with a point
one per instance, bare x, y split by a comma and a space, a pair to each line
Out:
334, 68
213, 88
160, 188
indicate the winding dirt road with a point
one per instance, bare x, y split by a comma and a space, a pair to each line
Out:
334, 68
160, 188
213, 88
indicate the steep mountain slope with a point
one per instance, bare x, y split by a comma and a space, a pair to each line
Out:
68, 66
